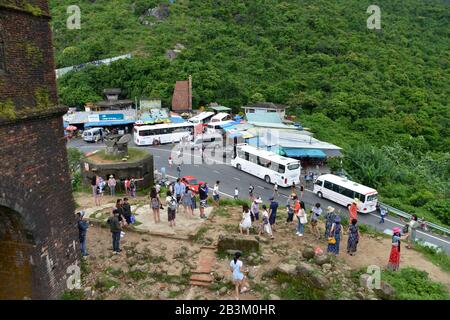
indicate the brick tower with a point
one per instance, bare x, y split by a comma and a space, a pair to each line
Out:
38, 235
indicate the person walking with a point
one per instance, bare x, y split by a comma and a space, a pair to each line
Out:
126, 210
394, 256
251, 189
170, 161
335, 233
186, 201
329, 220
315, 215
302, 191
179, 170
216, 195
383, 213
83, 226
155, 202
290, 208
255, 210
236, 193
353, 238
265, 225
126, 185
172, 205
293, 188
203, 195
353, 210
95, 190
246, 222
116, 229
112, 185
300, 212
275, 190
238, 276
411, 235
179, 189
133, 187
273, 208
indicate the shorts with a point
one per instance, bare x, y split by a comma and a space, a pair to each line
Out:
178, 198
216, 197
203, 203
171, 214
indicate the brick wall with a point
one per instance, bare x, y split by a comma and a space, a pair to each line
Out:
35, 188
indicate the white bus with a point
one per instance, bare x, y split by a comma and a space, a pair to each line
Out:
162, 133
216, 127
343, 191
203, 118
220, 117
267, 165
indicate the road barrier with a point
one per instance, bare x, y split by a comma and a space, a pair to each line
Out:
408, 216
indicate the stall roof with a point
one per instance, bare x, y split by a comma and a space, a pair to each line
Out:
108, 123
220, 108
304, 153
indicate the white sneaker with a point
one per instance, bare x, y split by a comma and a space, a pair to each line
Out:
297, 233
300, 235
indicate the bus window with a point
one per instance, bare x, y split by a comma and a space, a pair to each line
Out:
319, 183
347, 192
293, 166
241, 154
371, 197
263, 162
328, 185
281, 168
274, 166
253, 158
247, 156
336, 188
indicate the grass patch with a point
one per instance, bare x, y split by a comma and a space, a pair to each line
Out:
297, 289
222, 212
413, 284
114, 272
439, 258
369, 230
174, 294
137, 275
76, 294
126, 296
105, 283
133, 155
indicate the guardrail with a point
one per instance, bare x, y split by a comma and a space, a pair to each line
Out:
408, 216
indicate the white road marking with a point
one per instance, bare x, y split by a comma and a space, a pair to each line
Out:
236, 179
216, 171
260, 187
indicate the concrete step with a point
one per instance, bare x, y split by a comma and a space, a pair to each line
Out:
202, 278
200, 284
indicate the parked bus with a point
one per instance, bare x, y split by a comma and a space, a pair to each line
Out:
202, 118
162, 133
267, 165
220, 117
343, 191
216, 127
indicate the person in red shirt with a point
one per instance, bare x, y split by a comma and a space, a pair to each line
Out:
353, 210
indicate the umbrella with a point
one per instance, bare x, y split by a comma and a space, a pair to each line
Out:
71, 128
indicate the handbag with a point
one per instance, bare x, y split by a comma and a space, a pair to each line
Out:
331, 240
304, 219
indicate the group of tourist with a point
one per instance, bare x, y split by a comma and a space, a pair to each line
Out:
98, 185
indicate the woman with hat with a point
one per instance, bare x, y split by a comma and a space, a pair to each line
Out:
335, 233
353, 210
329, 220
394, 257
112, 185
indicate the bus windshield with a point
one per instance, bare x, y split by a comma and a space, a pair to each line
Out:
293, 166
372, 197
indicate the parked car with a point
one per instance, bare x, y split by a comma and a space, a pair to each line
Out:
93, 134
192, 183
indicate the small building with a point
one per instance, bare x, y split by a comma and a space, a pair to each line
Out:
112, 101
219, 109
266, 107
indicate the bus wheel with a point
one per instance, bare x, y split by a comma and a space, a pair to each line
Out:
267, 179
319, 194
238, 166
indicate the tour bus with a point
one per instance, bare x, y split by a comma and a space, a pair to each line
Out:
220, 117
216, 127
267, 165
202, 118
343, 191
162, 133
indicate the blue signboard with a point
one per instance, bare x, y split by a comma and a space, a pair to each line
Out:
112, 116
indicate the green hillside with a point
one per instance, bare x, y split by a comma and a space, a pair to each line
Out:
382, 96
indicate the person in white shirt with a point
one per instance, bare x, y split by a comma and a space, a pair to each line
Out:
216, 195
236, 193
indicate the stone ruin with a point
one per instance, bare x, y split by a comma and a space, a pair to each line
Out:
117, 145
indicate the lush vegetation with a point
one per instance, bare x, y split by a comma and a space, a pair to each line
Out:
380, 95
413, 284
74, 156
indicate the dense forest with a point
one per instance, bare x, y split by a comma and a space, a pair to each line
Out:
382, 95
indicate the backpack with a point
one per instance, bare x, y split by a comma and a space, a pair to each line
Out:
155, 202
173, 204
132, 185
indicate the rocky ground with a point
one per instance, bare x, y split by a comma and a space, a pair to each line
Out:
158, 267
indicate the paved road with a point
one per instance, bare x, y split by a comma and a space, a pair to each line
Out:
230, 178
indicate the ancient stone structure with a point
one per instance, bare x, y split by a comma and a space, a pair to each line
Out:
182, 96
38, 235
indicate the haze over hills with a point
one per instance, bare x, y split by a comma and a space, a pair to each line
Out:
381, 95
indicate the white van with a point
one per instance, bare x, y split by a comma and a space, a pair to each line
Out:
209, 140
216, 127
93, 134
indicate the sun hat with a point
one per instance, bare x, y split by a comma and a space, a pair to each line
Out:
330, 209
111, 176
337, 219
356, 200
81, 214
397, 230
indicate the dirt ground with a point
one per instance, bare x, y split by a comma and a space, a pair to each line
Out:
172, 260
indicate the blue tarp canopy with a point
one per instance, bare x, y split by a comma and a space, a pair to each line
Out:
304, 153
108, 123
235, 135
177, 120
229, 124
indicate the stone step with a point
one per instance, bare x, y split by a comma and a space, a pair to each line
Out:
202, 278
200, 284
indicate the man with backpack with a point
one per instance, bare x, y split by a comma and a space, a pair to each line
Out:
172, 205
203, 195
116, 229
126, 209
